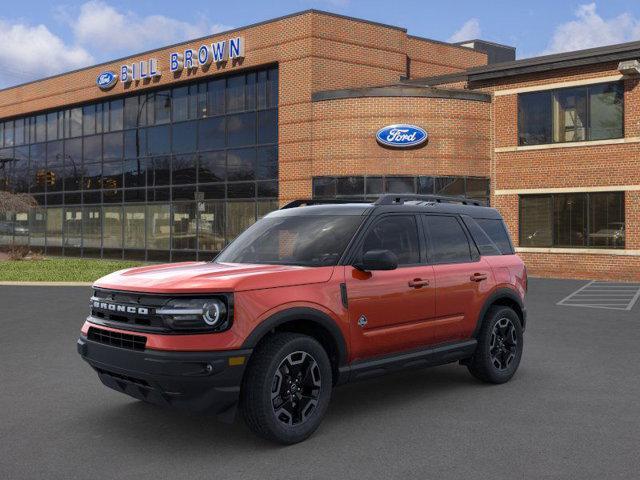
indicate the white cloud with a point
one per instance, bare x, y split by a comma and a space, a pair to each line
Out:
589, 29
108, 30
28, 52
469, 31
98, 32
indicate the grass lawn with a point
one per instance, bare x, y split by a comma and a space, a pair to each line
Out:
60, 269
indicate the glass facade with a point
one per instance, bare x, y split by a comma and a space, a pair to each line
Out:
160, 175
573, 220
370, 187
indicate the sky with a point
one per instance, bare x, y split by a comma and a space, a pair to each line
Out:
39, 38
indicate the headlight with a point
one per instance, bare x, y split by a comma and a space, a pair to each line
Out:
204, 314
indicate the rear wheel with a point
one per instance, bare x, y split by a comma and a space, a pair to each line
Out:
499, 350
287, 387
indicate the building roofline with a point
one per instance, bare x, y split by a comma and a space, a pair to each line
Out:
440, 42
436, 79
225, 32
556, 61
495, 44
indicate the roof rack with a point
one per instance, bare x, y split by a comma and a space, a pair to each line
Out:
390, 199
308, 202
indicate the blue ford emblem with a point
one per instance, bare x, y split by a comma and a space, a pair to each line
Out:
106, 80
401, 136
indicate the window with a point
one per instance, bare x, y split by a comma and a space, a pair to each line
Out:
310, 240
447, 241
573, 220
497, 232
362, 188
593, 112
398, 234
96, 166
485, 244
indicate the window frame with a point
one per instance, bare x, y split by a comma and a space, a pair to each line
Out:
474, 253
588, 196
353, 252
552, 93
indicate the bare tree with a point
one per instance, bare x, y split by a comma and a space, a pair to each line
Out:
16, 202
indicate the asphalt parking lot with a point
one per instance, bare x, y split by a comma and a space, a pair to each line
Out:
572, 411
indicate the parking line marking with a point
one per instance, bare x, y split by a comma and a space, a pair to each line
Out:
603, 295
577, 291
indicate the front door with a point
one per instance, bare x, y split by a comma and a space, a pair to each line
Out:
390, 311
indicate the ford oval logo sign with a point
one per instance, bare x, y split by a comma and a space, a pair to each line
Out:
106, 80
401, 136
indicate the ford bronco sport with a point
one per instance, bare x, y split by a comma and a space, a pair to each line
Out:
310, 297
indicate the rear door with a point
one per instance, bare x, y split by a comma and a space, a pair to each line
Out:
463, 278
390, 311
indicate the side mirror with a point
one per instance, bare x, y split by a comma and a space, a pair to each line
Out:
378, 260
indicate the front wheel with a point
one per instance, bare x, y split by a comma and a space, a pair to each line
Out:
287, 387
499, 349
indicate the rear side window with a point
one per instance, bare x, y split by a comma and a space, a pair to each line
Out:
486, 245
497, 232
398, 234
447, 241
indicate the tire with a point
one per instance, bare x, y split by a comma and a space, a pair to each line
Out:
286, 388
499, 350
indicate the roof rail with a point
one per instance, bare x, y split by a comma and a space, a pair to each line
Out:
308, 202
390, 199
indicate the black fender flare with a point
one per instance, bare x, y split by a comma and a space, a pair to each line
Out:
496, 296
300, 314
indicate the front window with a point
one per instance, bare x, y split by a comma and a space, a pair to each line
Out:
315, 241
578, 114
574, 220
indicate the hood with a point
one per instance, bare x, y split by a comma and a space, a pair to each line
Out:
206, 277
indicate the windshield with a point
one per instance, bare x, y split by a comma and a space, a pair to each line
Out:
314, 240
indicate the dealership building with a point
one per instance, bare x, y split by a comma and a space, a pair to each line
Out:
169, 154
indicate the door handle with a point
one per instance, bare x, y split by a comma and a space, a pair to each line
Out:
418, 282
478, 277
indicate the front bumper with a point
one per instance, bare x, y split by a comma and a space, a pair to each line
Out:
196, 381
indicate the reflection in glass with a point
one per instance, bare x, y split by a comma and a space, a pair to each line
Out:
73, 227
240, 215
158, 227
112, 225
54, 227
211, 227
134, 226
92, 227
184, 226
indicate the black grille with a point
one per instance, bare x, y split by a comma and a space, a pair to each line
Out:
117, 339
148, 321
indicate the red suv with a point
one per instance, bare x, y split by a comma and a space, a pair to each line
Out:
310, 297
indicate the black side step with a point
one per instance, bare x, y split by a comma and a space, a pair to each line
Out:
429, 357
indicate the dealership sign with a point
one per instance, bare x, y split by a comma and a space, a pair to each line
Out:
189, 59
106, 80
401, 136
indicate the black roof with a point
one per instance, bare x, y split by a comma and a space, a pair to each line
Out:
450, 205
590, 56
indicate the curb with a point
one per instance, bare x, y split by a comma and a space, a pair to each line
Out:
47, 284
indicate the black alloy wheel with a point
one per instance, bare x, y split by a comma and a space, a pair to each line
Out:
504, 344
500, 346
296, 388
287, 387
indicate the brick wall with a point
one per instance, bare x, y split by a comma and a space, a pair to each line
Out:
344, 137
580, 167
